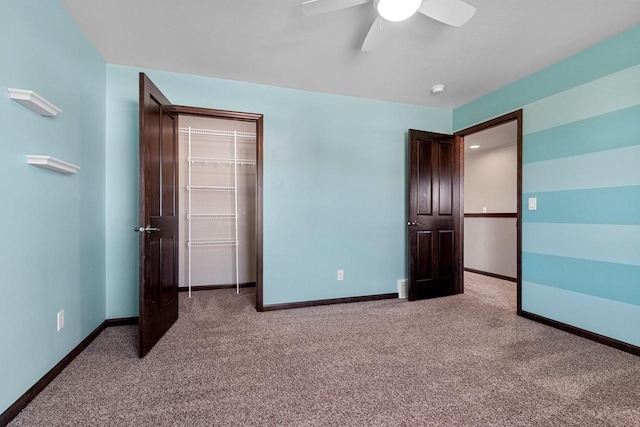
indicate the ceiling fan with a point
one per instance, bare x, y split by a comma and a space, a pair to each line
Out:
451, 12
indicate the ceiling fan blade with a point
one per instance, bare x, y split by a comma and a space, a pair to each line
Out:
316, 7
376, 34
452, 12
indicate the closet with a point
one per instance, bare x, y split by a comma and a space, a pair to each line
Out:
217, 198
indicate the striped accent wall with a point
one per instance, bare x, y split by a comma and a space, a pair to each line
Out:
581, 160
581, 247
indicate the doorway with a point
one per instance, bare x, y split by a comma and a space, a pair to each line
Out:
493, 199
220, 199
490, 199
217, 198
160, 211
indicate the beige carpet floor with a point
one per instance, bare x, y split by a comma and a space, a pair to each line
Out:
465, 360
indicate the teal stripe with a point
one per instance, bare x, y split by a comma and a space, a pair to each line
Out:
612, 55
618, 205
606, 132
618, 282
615, 92
605, 317
599, 242
611, 168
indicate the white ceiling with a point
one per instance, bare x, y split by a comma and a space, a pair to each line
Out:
497, 136
271, 42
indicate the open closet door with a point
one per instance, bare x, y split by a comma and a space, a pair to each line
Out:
435, 215
158, 216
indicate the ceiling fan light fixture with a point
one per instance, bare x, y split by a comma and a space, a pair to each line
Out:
397, 10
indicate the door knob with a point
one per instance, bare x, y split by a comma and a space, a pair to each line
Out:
414, 223
148, 229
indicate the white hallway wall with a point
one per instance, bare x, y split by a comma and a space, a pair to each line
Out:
490, 181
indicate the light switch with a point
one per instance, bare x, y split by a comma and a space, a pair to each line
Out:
484, 209
533, 203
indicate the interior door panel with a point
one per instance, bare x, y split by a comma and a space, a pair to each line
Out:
158, 300
435, 215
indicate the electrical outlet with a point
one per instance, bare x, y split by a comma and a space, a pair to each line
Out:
60, 320
340, 274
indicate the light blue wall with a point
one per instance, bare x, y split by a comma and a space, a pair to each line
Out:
52, 246
581, 157
334, 188
334, 184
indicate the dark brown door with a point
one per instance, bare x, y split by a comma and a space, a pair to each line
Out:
435, 215
158, 216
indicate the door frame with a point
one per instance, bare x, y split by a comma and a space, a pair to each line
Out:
258, 120
506, 118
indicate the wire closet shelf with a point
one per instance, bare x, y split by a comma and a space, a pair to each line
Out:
215, 136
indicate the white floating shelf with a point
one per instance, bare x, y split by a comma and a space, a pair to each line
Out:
52, 163
33, 101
